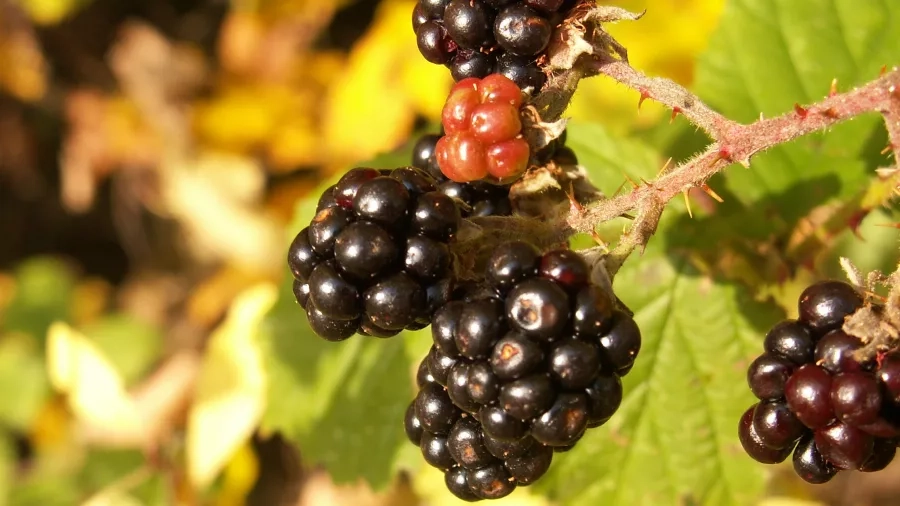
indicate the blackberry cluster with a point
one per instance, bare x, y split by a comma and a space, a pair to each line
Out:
520, 368
375, 258
479, 198
815, 401
475, 38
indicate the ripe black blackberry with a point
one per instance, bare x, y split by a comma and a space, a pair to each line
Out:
530, 363
374, 260
816, 401
475, 38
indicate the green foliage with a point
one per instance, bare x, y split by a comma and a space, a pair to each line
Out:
130, 344
43, 293
23, 381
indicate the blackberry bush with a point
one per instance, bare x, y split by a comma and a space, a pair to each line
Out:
519, 370
816, 400
475, 38
375, 257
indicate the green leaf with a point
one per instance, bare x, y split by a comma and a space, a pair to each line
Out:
765, 57
23, 379
674, 440
43, 293
132, 345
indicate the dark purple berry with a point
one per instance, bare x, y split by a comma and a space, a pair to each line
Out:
621, 345
539, 308
444, 325
394, 302
483, 384
383, 200
333, 296
566, 419
504, 449
433, 42
500, 424
574, 363
498, 207
419, 17
458, 388
325, 227
436, 216
346, 187
511, 263
426, 259
752, 444
522, 71
527, 397
808, 393
835, 350
480, 326
604, 398
856, 398
301, 257
364, 250
530, 467
327, 199
767, 376
434, 9
458, 485
440, 365
883, 452
515, 356
545, 6
776, 425
843, 445
416, 181
436, 451
412, 425
491, 482
423, 374
467, 445
521, 30
369, 328
329, 328
889, 375
301, 292
566, 268
469, 23
435, 410
792, 340
593, 312
468, 63
809, 463
824, 305
423, 152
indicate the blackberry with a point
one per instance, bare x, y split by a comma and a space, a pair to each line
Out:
475, 38
834, 412
436, 451
526, 385
374, 259
458, 484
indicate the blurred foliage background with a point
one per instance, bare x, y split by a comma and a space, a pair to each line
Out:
152, 153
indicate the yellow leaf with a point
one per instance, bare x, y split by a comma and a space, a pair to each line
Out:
49, 12
95, 392
231, 390
239, 477
787, 501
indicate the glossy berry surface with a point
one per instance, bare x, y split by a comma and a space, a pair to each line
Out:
889, 375
808, 393
469, 23
824, 305
436, 451
809, 463
604, 398
491, 482
843, 445
502, 425
791, 340
527, 397
521, 30
523, 71
620, 346
574, 363
458, 485
511, 263
483, 131
515, 356
538, 308
411, 424
564, 422
530, 466
753, 444
566, 268
435, 411
776, 425
834, 352
767, 376
883, 453
856, 398
467, 445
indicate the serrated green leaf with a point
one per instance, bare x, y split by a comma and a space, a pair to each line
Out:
765, 57
43, 291
674, 440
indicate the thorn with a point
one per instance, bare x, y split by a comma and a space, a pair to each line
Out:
745, 163
620, 187
709, 191
644, 96
887, 149
833, 90
664, 167
724, 154
888, 225
883, 71
687, 202
573, 202
646, 183
800, 110
855, 221
675, 111
761, 116
831, 113
633, 184
600, 242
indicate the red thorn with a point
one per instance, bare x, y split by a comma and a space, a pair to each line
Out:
725, 154
800, 110
855, 221
573, 203
833, 90
809, 264
633, 184
887, 149
675, 111
831, 113
883, 71
600, 242
644, 96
